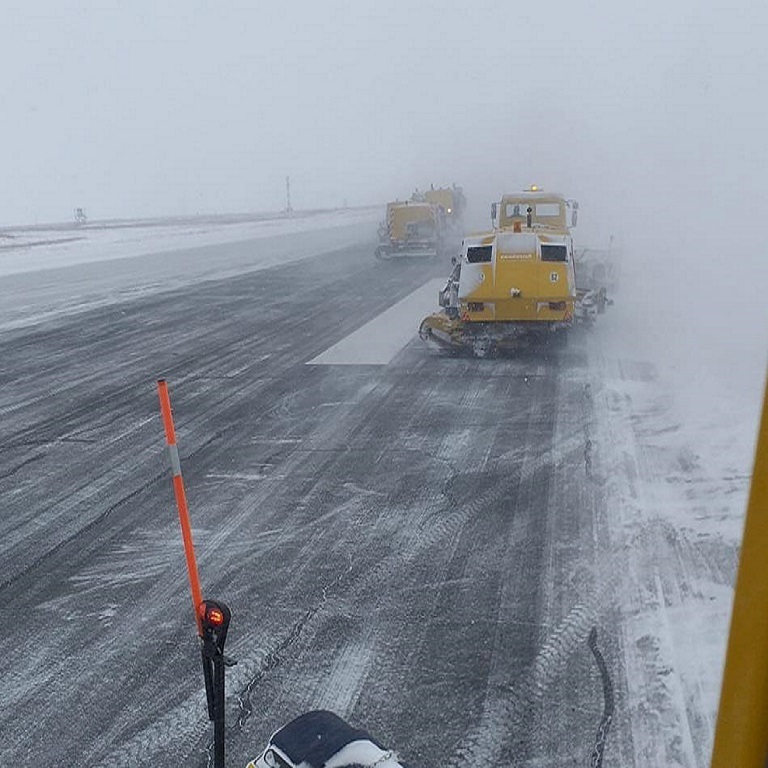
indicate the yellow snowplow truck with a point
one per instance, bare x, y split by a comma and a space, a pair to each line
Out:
513, 285
411, 229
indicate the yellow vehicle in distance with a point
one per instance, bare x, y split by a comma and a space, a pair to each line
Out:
513, 285
411, 228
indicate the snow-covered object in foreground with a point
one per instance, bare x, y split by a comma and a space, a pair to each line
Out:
321, 739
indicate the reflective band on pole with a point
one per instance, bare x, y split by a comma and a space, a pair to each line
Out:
181, 500
173, 452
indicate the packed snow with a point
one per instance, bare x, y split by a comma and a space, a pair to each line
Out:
677, 407
379, 340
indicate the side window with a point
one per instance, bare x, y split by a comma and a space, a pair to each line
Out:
479, 254
554, 252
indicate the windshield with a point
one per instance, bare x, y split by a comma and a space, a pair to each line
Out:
538, 210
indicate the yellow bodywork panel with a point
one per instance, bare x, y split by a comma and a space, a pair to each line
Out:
401, 215
442, 197
517, 287
741, 736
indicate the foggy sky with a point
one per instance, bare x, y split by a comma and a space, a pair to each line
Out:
137, 108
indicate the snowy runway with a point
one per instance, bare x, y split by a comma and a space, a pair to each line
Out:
421, 543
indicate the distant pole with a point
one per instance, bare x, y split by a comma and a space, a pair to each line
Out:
288, 208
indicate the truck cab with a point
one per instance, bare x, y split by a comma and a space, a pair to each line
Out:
534, 209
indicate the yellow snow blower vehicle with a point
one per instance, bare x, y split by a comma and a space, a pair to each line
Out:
513, 285
411, 229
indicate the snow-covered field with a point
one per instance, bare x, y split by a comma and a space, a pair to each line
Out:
45, 273
379, 340
677, 406
30, 250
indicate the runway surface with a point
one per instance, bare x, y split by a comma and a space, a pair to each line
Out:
417, 543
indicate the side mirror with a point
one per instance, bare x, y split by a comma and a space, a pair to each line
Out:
493, 211
574, 213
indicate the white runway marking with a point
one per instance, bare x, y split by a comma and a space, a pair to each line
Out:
379, 340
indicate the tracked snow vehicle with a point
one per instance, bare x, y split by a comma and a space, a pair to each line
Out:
411, 228
513, 285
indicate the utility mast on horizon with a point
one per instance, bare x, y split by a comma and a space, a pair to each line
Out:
288, 208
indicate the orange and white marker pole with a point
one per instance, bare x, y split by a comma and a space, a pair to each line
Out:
181, 501
212, 617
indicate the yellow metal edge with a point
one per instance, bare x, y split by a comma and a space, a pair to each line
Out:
741, 734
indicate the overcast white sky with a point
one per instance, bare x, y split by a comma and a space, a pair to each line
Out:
143, 108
